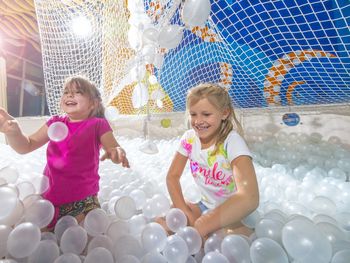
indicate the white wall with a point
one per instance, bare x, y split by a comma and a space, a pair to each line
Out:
28, 125
328, 122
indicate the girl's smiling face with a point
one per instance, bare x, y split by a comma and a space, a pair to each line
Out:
77, 105
206, 121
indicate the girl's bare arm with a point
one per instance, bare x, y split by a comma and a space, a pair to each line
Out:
20, 142
174, 187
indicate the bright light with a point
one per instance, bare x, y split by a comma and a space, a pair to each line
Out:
81, 26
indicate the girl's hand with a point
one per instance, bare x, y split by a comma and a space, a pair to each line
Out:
8, 124
117, 155
199, 225
192, 212
190, 217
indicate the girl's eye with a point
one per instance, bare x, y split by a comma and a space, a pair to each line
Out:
206, 114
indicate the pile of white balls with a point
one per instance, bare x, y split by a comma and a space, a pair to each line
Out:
303, 214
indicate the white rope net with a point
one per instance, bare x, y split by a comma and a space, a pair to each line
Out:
145, 55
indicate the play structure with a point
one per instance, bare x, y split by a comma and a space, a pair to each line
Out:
267, 54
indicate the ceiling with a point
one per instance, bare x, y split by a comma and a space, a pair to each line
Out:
18, 24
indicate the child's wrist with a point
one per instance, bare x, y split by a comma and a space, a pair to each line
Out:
121, 149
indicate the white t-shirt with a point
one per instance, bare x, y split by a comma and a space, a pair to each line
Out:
213, 174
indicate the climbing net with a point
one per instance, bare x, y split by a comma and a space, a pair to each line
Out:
145, 55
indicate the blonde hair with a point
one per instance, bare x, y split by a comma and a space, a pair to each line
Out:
88, 88
221, 100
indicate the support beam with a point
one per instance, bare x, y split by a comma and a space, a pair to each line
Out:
3, 84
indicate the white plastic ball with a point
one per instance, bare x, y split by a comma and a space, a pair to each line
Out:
57, 131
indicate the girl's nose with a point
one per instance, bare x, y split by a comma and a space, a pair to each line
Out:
198, 121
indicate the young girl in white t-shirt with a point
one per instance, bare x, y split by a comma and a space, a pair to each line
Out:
220, 163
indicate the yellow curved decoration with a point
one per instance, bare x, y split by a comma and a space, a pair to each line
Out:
226, 74
206, 34
289, 93
281, 67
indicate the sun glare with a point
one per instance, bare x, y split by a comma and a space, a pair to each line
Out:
81, 26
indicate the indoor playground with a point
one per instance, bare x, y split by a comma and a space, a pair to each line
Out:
286, 67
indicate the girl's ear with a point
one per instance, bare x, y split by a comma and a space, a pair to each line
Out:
225, 114
93, 106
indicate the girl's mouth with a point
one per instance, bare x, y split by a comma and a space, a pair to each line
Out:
202, 127
70, 103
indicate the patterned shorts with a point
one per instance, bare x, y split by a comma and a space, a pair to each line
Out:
75, 208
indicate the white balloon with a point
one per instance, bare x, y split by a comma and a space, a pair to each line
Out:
195, 12
137, 73
148, 53
150, 35
139, 96
170, 36
134, 38
140, 21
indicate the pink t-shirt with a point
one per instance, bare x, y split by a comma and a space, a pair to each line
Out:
72, 164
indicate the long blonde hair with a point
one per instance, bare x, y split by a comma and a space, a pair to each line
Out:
221, 100
87, 87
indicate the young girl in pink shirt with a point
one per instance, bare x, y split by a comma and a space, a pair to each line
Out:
72, 164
